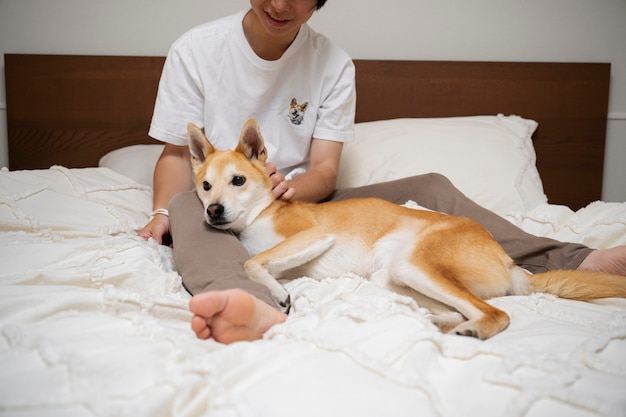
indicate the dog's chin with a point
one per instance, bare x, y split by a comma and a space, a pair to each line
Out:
220, 224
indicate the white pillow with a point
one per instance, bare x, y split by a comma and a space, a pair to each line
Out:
136, 162
489, 158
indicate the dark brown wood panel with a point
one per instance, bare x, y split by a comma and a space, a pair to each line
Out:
71, 110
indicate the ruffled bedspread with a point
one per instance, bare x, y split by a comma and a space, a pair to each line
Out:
94, 322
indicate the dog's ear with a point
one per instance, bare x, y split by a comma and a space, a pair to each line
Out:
251, 142
199, 145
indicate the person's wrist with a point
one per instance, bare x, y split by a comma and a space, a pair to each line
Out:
159, 212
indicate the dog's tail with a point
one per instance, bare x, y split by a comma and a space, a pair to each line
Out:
578, 285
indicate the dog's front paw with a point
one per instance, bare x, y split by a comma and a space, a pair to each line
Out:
285, 305
282, 298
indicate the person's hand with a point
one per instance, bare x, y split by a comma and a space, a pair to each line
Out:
280, 187
158, 228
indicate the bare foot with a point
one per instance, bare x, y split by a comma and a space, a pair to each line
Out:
231, 316
612, 260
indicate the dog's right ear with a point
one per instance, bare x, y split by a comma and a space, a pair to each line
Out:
251, 142
199, 145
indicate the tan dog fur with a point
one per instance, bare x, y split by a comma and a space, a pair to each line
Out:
450, 259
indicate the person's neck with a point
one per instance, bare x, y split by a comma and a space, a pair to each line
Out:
264, 45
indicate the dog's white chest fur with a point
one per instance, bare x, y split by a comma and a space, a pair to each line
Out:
260, 236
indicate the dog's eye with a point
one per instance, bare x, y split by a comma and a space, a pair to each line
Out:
206, 185
238, 181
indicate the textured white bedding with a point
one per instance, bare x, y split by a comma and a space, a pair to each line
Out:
94, 322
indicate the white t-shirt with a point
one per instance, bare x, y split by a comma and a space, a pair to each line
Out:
213, 78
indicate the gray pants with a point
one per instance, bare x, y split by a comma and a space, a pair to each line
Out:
209, 259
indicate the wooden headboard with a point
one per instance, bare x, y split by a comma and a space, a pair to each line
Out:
71, 110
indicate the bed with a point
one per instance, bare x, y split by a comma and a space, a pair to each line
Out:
94, 320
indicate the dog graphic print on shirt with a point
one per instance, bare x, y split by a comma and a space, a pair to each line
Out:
296, 111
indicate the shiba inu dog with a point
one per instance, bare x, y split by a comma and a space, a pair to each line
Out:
449, 259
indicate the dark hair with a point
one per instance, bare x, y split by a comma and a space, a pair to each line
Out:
320, 3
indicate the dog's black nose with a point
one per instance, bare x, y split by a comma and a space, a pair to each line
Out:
215, 211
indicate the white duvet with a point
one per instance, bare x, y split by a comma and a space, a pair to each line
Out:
94, 322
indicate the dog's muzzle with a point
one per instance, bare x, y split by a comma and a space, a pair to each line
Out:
215, 215
215, 211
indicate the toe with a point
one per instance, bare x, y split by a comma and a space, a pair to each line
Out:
200, 327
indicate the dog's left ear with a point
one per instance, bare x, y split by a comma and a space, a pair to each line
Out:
251, 142
199, 145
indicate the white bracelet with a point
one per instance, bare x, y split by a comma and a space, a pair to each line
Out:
160, 211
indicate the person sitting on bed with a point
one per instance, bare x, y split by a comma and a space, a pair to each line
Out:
260, 63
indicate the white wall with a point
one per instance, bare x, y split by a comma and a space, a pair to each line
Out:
530, 30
